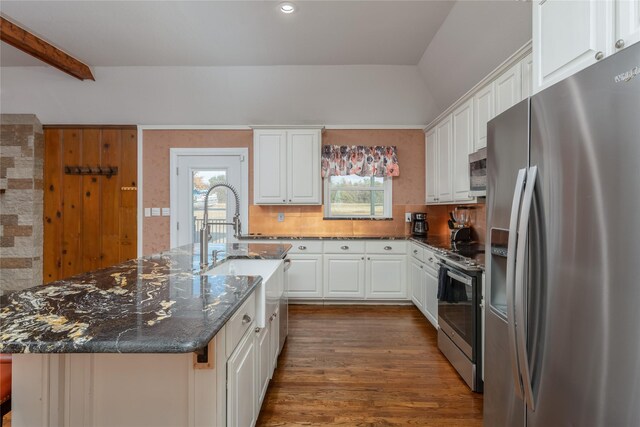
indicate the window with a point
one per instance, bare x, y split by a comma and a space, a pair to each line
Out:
352, 196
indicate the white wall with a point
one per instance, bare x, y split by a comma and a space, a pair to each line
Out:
350, 95
476, 37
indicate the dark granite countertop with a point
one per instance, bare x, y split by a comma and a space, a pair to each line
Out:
319, 237
444, 243
155, 304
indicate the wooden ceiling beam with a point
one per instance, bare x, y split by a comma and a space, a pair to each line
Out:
22, 39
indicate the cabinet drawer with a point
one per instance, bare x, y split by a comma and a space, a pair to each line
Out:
343, 247
239, 323
387, 247
417, 251
430, 259
305, 246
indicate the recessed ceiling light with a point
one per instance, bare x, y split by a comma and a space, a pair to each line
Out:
287, 7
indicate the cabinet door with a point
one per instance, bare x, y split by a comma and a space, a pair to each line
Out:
627, 23
508, 89
445, 161
263, 350
275, 342
567, 37
462, 147
431, 166
430, 280
386, 277
303, 159
416, 284
344, 276
269, 167
242, 396
526, 66
305, 276
483, 111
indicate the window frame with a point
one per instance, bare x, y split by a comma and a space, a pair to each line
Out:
387, 210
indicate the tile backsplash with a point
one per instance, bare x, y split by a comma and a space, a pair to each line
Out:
437, 216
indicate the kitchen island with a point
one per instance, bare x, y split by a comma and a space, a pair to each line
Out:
145, 342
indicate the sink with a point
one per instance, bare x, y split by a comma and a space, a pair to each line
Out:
267, 293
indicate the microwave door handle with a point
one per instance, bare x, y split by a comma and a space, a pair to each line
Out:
466, 280
520, 295
510, 280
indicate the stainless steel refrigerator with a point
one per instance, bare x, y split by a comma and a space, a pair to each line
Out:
563, 273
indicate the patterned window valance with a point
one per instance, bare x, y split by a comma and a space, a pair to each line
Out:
359, 160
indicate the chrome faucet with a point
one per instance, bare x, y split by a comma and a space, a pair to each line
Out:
204, 230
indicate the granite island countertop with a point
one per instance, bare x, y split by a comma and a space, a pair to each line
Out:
319, 237
155, 304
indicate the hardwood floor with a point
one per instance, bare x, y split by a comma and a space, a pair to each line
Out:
365, 366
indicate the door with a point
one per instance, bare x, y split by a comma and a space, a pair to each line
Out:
344, 276
195, 175
445, 162
415, 282
269, 167
386, 277
242, 393
508, 89
627, 23
567, 37
303, 159
430, 284
431, 148
274, 345
462, 147
482, 113
526, 66
263, 354
585, 352
507, 154
305, 276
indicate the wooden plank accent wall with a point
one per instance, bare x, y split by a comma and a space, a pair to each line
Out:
90, 221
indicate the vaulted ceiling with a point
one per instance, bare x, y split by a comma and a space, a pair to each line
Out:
241, 62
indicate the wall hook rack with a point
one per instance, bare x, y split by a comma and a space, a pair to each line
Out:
88, 170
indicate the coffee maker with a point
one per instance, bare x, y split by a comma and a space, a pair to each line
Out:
419, 224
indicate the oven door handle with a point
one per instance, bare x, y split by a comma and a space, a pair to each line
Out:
466, 280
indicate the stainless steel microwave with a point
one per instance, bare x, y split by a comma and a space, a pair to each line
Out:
478, 173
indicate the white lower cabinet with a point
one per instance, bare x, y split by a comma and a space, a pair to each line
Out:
431, 295
344, 276
416, 285
242, 390
263, 343
305, 276
275, 341
386, 277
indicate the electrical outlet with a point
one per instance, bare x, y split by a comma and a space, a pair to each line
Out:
147, 211
155, 211
280, 217
407, 217
166, 211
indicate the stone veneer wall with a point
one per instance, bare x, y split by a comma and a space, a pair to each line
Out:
21, 201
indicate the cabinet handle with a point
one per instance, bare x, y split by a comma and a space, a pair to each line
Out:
275, 315
599, 55
284, 201
430, 259
256, 330
369, 258
289, 200
344, 248
362, 258
421, 267
246, 319
302, 248
620, 44
415, 251
387, 248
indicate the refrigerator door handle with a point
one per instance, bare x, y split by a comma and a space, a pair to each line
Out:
520, 297
510, 280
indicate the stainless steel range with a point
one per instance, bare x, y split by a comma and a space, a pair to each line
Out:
459, 314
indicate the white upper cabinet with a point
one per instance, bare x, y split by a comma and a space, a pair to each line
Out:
627, 23
508, 89
462, 147
431, 149
303, 160
569, 36
482, 113
444, 181
287, 166
270, 166
526, 66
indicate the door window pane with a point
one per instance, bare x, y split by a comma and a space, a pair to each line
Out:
201, 181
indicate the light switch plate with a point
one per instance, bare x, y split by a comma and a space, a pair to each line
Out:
147, 211
155, 211
280, 216
166, 211
407, 217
